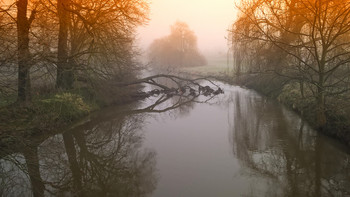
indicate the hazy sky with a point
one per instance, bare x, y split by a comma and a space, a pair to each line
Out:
209, 19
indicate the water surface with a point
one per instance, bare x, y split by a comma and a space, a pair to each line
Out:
236, 144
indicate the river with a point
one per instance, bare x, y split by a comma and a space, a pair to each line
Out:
235, 144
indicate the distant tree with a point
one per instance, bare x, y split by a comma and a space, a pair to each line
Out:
179, 49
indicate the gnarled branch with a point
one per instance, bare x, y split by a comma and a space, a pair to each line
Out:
182, 86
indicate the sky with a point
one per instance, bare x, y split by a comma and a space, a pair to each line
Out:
209, 19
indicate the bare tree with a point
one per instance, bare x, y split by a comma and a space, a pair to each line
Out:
301, 41
96, 39
64, 69
24, 58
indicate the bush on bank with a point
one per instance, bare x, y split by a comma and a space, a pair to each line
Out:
55, 110
64, 106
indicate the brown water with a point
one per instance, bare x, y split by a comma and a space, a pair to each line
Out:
237, 144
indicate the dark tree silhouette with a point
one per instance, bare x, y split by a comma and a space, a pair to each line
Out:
64, 69
24, 58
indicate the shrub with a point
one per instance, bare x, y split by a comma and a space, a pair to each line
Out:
64, 106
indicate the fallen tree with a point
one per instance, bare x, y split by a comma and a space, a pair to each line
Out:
167, 98
180, 86
48, 117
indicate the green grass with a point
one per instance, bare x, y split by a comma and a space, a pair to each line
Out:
63, 106
207, 70
216, 66
46, 113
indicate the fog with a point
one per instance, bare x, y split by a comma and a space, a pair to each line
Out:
209, 19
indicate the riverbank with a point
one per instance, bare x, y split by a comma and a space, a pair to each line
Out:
58, 110
52, 112
337, 116
226, 135
338, 122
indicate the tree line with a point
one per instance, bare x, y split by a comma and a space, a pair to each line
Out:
301, 44
63, 43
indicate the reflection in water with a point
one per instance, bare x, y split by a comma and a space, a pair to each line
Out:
99, 159
274, 145
274, 153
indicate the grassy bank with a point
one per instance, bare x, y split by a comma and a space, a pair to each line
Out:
46, 113
208, 70
53, 111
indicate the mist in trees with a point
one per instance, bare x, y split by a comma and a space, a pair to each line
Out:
297, 44
179, 49
65, 44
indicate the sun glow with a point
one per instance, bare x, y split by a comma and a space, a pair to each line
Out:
209, 19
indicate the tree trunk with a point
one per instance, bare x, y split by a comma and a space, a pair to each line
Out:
321, 110
321, 114
24, 59
65, 76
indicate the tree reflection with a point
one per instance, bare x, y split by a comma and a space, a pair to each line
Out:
283, 152
32, 160
106, 160
101, 158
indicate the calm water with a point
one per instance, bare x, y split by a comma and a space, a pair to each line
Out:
236, 144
